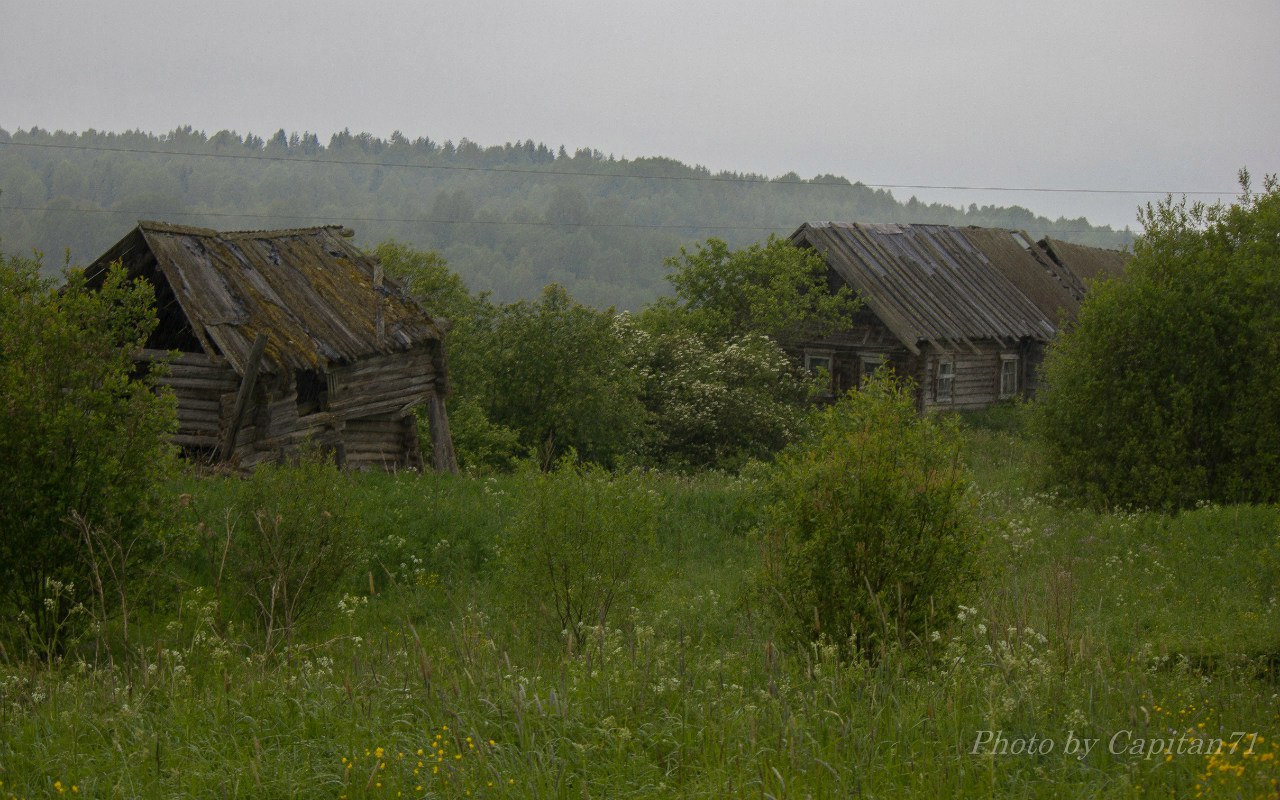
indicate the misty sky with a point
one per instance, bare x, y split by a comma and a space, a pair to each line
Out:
1098, 94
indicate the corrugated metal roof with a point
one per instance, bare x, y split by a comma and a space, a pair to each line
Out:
319, 299
949, 286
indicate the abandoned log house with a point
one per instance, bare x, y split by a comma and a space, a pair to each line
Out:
286, 337
965, 312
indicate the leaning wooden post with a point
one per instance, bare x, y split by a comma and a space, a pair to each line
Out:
443, 459
247, 384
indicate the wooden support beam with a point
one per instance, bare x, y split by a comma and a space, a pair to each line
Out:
247, 384
443, 458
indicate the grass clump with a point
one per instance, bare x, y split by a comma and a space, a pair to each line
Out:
280, 542
579, 543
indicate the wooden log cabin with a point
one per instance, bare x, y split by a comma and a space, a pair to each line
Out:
965, 312
285, 337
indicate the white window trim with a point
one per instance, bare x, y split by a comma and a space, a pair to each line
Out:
1009, 358
869, 363
950, 396
830, 366
819, 355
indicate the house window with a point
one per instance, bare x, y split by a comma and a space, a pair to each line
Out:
821, 362
1008, 376
814, 362
870, 364
313, 391
944, 381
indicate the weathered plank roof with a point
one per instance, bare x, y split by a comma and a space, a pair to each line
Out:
319, 299
1088, 263
949, 286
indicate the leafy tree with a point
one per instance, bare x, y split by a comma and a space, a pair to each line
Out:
83, 437
775, 289
428, 278
1167, 390
716, 404
869, 533
719, 386
480, 443
556, 372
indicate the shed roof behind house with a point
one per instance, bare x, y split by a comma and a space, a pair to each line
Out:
319, 298
1088, 263
947, 285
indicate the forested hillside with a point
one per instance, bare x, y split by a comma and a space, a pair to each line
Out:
509, 219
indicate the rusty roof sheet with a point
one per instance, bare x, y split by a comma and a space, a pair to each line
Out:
949, 286
316, 295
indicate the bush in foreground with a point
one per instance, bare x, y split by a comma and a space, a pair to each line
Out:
282, 542
870, 535
578, 544
82, 437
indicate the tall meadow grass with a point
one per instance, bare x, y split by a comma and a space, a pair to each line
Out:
414, 677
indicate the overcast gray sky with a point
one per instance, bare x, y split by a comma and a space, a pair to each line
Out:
1096, 94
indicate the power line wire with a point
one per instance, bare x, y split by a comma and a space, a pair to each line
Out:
137, 214
608, 175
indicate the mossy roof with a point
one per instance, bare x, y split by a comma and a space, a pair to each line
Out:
319, 299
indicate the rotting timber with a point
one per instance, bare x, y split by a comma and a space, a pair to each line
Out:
288, 337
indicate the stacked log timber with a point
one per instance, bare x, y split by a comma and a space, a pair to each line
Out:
367, 420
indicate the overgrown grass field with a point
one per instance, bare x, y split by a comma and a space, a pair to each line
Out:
431, 672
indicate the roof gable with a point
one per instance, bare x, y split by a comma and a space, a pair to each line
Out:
319, 299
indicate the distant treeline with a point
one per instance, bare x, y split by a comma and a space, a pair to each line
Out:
509, 219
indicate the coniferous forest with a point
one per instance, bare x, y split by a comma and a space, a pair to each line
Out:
508, 218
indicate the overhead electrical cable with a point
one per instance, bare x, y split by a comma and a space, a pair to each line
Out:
747, 179
152, 214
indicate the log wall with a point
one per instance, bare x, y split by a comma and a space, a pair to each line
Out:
976, 381
198, 382
366, 418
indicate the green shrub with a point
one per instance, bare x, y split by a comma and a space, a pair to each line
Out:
482, 445
869, 534
556, 373
578, 543
283, 543
81, 435
1167, 390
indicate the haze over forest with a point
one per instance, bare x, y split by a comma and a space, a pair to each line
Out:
509, 218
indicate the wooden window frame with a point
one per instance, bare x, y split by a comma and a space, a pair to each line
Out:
950, 380
811, 365
1007, 359
868, 363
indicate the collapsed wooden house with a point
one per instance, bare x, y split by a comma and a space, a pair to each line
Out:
965, 312
285, 337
